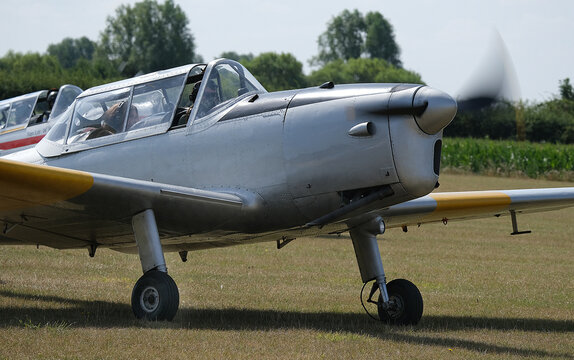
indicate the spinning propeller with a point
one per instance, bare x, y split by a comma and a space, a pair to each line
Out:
494, 79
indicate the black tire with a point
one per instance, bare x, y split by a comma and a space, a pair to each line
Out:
408, 300
155, 297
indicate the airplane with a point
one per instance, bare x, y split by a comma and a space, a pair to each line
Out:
26, 119
202, 156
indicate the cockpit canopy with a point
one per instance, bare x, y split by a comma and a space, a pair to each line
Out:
191, 95
35, 108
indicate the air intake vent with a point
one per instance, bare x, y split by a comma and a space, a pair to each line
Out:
437, 154
327, 85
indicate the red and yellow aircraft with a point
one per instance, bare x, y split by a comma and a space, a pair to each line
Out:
26, 119
201, 156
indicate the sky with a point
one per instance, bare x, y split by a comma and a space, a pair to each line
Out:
444, 41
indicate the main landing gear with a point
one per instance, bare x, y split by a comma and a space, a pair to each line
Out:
155, 295
399, 302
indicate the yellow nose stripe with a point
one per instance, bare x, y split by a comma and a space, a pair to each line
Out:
23, 185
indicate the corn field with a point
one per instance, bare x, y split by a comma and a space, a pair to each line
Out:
509, 158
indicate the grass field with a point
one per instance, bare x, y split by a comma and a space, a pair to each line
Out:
488, 295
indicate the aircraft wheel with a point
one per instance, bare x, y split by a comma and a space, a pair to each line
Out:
406, 304
155, 296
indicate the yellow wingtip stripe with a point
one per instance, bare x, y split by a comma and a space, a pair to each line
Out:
484, 199
23, 184
460, 205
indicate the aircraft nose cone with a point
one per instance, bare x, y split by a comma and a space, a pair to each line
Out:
439, 112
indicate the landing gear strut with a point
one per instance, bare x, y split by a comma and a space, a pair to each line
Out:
400, 302
155, 295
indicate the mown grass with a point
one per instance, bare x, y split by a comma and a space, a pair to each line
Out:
487, 295
496, 157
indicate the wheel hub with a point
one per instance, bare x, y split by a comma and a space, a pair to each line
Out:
149, 300
396, 307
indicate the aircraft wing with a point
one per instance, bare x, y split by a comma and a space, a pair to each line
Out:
449, 206
64, 208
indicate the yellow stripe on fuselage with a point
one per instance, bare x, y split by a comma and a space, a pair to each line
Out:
453, 205
23, 185
12, 130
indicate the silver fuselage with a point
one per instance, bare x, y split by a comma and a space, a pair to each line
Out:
294, 155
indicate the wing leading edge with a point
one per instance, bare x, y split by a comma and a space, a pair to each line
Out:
65, 208
448, 206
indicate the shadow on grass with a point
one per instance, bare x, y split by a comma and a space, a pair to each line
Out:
75, 313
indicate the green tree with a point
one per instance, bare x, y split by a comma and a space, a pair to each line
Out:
350, 35
277, 71
88, 73
566, 91
232, 55
69, 51
26, 73
380, 39
551, 121
343, 38
496, 121
362, 71
147, 37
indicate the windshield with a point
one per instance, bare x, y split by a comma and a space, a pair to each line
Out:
66, 95
193, 94
226, 81
20, 111
4, 111
125, 109
99, 115
57, 133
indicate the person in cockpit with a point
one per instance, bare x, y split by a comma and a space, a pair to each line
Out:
112, 121
209, 99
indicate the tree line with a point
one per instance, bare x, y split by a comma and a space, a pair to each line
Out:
355, 48
548, 121
149, 36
